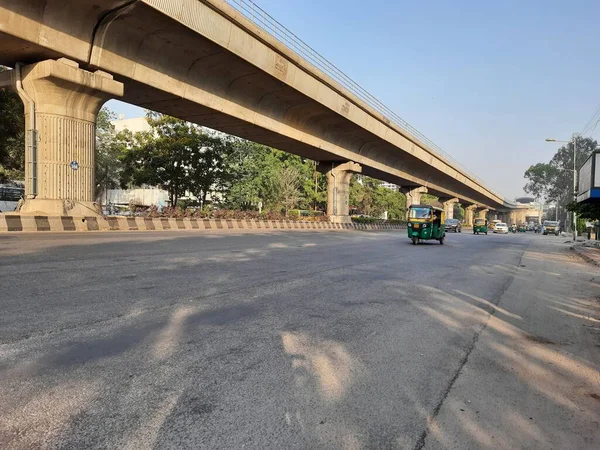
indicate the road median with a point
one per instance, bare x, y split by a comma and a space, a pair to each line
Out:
22, 223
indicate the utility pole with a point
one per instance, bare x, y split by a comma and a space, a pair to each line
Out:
574, 185
574, 194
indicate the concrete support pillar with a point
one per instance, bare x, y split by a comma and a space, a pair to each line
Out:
61, 104
469, 212
338, 191
448, 204
413, 195
482, 213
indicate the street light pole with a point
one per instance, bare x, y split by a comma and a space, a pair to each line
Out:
574, 186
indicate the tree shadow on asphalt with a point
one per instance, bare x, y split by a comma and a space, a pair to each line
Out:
319, 364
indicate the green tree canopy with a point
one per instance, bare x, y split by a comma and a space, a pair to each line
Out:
554, 180
109, 148
12, 136
263, 174
369, 197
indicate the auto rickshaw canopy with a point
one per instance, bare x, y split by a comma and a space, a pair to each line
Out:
425, 213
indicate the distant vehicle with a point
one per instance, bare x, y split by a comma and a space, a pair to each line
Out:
493, 223
453, 225
10, 196
550, 227
501, 228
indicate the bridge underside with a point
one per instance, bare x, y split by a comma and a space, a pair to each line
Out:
206, 68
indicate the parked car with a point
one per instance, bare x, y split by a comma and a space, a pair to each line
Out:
501, 228
453, 225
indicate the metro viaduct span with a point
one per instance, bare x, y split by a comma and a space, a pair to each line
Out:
204, 62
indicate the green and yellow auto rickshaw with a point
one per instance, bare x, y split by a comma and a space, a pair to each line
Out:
480, 226
425, 222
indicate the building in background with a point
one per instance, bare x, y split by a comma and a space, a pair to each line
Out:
390, 186
134, 125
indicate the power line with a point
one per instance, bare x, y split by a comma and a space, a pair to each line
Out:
591, 121
594, 129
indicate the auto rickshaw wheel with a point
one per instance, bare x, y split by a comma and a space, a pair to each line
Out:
415, 240
442, 241
486, 233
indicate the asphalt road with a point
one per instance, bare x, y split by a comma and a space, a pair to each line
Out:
297, 340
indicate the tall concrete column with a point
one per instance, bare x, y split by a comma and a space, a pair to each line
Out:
61, 105
482, 213
338, 191
448, 204
469, 212
413, 195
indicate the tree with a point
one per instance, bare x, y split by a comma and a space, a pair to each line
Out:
250, 165
459, 212
178, 157
109, 148
12, 136
208, 171
286, 188
554, 180
589, 211
256, 174
161, 157
428, 199
356, 194
369, 197
541, 178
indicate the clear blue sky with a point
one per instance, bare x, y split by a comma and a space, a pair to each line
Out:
488, 81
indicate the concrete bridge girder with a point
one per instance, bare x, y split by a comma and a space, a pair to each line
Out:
223, 73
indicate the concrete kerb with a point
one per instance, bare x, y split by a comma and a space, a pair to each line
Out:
589, 255
24, 223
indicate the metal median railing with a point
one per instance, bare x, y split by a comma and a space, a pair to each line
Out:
261, 18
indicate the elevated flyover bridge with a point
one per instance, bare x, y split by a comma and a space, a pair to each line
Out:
226, 65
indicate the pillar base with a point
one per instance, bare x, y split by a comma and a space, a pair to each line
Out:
340, 219
57, 207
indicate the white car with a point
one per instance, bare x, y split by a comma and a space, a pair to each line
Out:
501, 228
